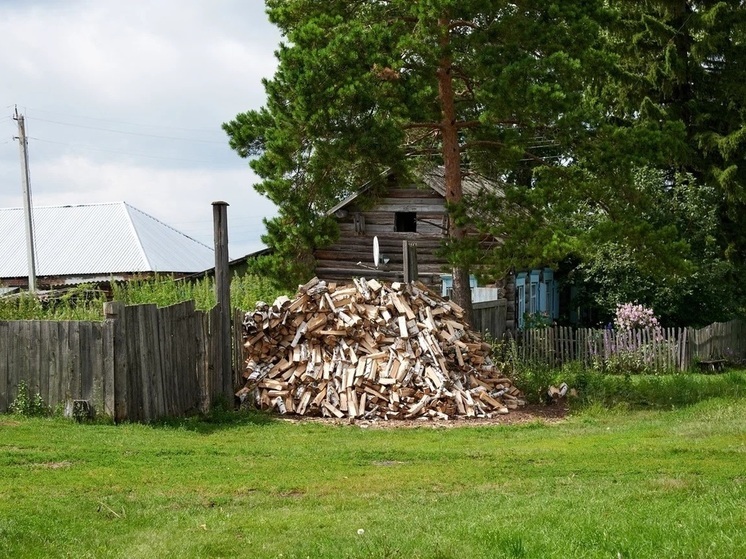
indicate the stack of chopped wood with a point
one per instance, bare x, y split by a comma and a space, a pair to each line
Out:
373, 351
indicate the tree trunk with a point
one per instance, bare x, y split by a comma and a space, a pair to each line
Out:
452, 163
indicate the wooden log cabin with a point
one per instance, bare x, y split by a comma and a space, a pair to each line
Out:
414, 213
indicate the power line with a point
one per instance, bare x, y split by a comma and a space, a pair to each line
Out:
90, 148
125, 123
131, 133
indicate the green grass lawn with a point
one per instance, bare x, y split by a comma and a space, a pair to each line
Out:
635, 484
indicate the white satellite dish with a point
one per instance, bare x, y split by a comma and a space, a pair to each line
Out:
376, 252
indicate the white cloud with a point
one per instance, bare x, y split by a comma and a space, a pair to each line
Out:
124, 101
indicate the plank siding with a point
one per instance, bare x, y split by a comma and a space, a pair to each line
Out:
352, 255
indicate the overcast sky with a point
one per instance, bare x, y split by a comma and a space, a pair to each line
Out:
124, 101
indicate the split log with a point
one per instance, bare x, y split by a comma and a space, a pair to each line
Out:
372, 350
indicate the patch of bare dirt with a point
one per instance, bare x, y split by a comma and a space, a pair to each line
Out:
53, 465
550, 414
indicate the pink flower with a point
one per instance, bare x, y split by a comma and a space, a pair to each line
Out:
631, 315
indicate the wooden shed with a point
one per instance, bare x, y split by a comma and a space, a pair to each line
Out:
414, 213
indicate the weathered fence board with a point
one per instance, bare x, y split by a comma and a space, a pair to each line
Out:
108, 378
5, 386
43, 366
139, 364
664, 349
213, 359
239, 359
491, 317
142, 362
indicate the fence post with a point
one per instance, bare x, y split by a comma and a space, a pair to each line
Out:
223, 296
115, 364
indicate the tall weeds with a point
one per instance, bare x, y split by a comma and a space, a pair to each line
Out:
85, 302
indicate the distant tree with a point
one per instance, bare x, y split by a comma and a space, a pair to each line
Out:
702, 291
683, 73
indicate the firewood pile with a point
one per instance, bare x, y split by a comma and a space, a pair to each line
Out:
371, 351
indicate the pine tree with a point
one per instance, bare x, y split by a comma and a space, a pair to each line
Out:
684, 73
478, 86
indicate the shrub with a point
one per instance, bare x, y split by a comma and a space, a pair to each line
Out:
82, 302
246, 290
28, 404
630, 316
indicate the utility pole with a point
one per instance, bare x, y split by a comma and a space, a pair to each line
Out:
30, 259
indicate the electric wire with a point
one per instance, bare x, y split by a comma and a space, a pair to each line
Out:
122, 122
91, 148
100, 129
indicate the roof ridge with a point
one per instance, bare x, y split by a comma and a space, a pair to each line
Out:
143, 253
167, 225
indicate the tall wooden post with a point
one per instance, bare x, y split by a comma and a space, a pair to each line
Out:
409, 254
223, 296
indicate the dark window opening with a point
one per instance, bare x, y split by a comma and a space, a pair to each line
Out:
405, 222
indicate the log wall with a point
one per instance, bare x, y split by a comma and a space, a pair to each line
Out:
352, 255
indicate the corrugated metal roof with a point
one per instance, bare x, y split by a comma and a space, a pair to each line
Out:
97, 239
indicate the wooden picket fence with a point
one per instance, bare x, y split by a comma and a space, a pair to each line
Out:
662, 349
140, 364
144, 362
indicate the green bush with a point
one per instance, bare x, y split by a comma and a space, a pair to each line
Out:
28, 404
246, 290
164, 291
634, 391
